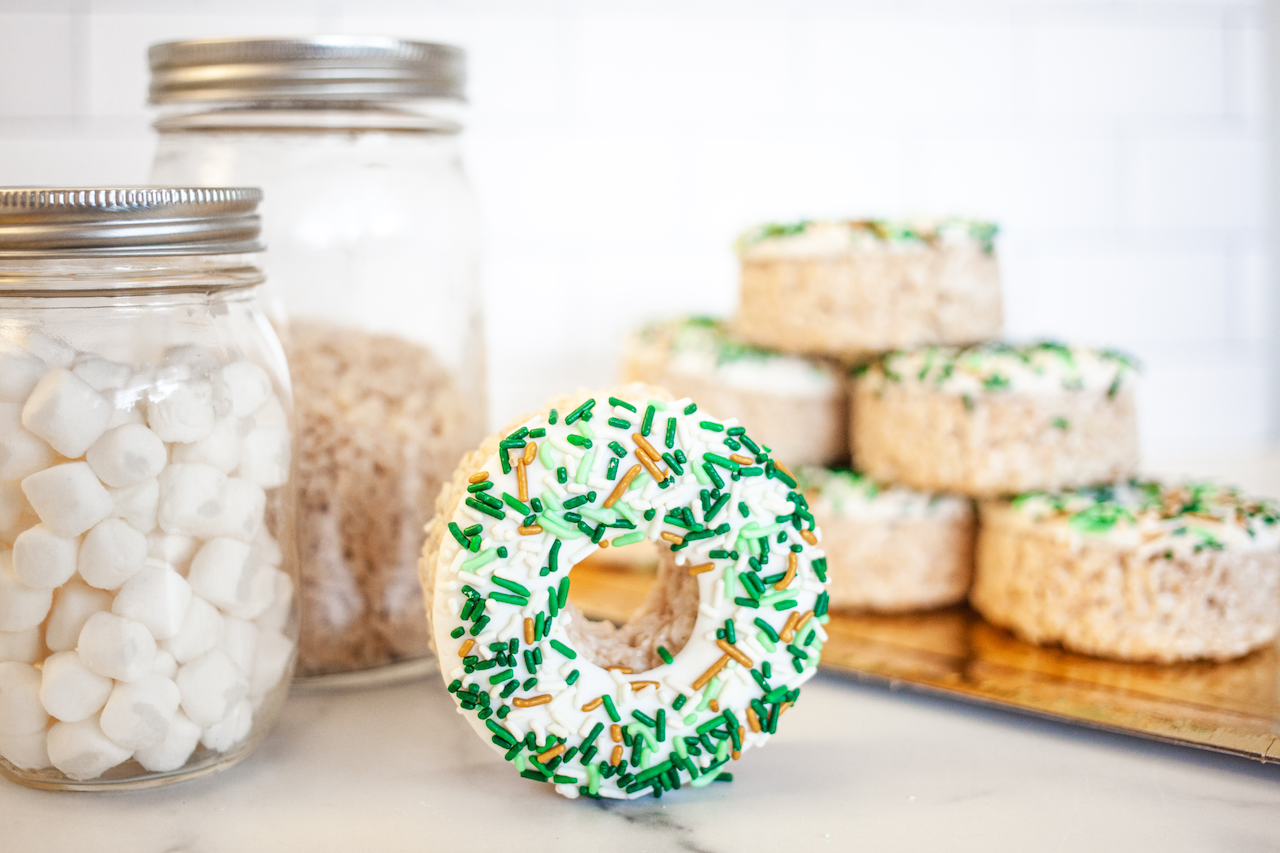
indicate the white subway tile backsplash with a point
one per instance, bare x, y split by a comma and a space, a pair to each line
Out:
37, 65
1212, 180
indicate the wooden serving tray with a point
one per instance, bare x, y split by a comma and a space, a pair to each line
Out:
1231, 707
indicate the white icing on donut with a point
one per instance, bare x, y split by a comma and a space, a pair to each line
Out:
572, 705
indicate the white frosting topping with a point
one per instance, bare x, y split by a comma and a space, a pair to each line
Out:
826, 238
847, 494
1157, 518
998, 368
486, 593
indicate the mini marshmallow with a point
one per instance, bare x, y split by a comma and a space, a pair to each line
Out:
43, 560
260, 595
101, 374
16, 514
211, 686
276, 617
54, 352
21, 606
19, 373
21, 646
26, 752
81, 750
68, 498
239, 643
75, 603
219, 449
230, 730
247, 385
195, 358
243, 505
126, 413
66, 412
174, 549
275, 653
112, 553
69, 690
138, 715
137, 505
265, 457
174, 749
222, 572
127, 455
201, 630
157, 597
266, 549
182, 412
165, 664
271, 415
20, 710
116, 647
22, 452
191, 499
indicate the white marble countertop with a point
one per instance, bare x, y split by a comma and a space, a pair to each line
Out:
854, 767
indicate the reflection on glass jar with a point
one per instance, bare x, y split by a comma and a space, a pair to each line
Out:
373, 265
148, 622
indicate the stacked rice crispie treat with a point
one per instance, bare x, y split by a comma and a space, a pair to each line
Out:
866, 354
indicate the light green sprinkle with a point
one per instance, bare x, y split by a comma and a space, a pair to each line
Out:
769, 645
641, 480
488, 555
659, 405
723, 751
593, 778
701, 781
701, 475
712, 690
549, 499
544, 456
605, 516
777, 595
642, 729
584, 466
585, 428
628, 539
730, 582
624, 509
681, 749
521, 764
690, 719
560, 531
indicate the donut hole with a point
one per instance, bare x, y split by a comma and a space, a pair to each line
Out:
608, 583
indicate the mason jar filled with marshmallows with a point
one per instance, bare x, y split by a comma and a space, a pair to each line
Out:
374, 277
148, 616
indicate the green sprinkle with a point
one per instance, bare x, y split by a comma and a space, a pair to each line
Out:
479, 625
457, 534
666, 657
610, 709
563, 593
679, 701
617, 449
744, 509
480, 487
713, 474
519, 589
578, 440
767, 628
487, 510
619, 423
456, 632
500, 677
579, 412
614, 401
628, 539
1060, 423
553, 559
785, 605
646, 425
562, 475
716, 458
537, 433
563, 649
516, 504
501, 732
551, 418
573, 676
612, 472
483, 558
507, 598
712, 425
670, 439
691, 408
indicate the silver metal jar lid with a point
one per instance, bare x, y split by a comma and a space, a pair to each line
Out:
312, 68
54, 222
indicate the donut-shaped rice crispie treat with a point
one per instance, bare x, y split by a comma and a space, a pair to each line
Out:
1139, 571
846, 289
798, 406
996, 419
706, 667
891, 549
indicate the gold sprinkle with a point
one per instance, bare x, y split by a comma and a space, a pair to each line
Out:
540, 699
615, 732
705, 567
804, 617
733, 652
530, 451
625, 670
617, 756
466, 648
807, 535
478, 477
740, 459
646, 446
657, 475
714, 705
671, 537
783, 468
753, 719
790, 575
604, 543
637, 686
531, 530
788, 631
593, 704
544, 757
528, 631
711, 672
622, 486
736, 753
783, 709
522, 480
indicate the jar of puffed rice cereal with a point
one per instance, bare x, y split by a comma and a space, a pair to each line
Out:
148, 622
374, 267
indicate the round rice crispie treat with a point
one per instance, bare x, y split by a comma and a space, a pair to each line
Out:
703, 670
849, 289
1139, 571
995, 419
797, 406
890, 549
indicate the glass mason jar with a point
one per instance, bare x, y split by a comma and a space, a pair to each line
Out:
374, 266
148, 622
